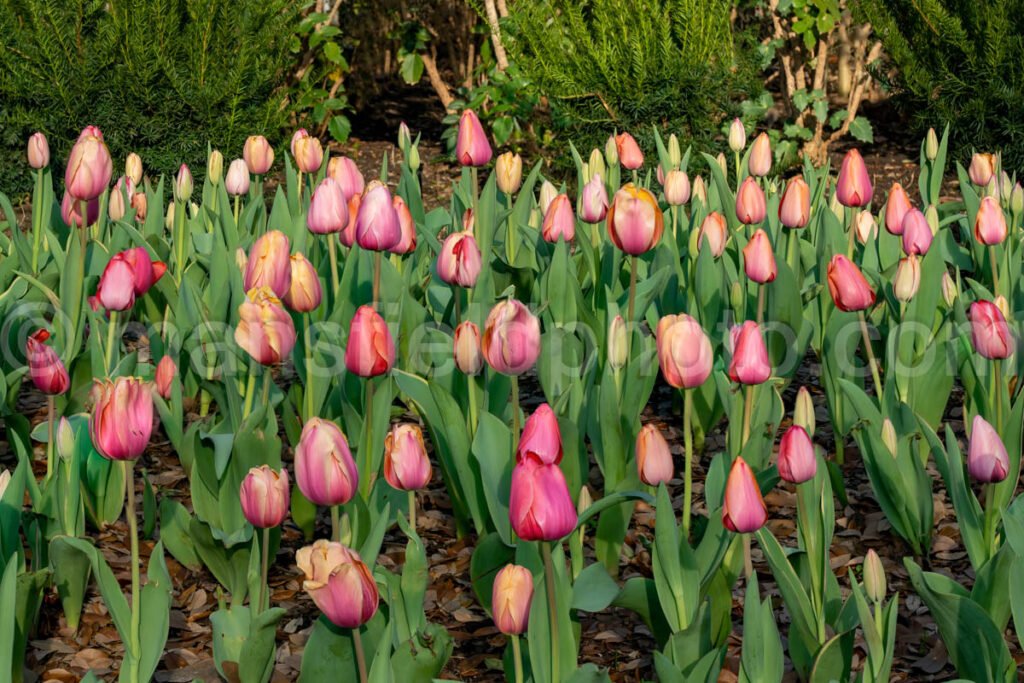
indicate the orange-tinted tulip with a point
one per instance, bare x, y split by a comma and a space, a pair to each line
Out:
472, 147
265, 496
896, 209
304, 292
459, 262
759, 259
676, 188
469, 357
982, 168
509, 169
166, 371
511, 342
990, 223
795, 206
635, 222
122, 418
854, 185
258, 154
510, 599
265, 330
743, 509
715, 232
629, 152
348, 236
324, 468
750, 364
269, 264
653, 457
339, 582
370, 350
44, 365
849, 288
684, 351
750, 202
407, 225
559, 222
406, 465
760, 161
38, 151
307, 151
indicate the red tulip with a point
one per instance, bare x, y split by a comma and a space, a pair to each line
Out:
510, 599
89, 166
896, 209
987, 460
347, 175
542, 438
237, 180
146, 271
38, 151
629, 152
594, 201
714, 230
406, 465
853, 188
304, 292
559, 221
795, 205
269, 265
339, 582
472, 147
511, 342
759, 259
377, 224
307, 151
653, 457
116, 289
71, 211
635, 222
44, 365
324, 468
258, 154
743, 509
990, 223
849, 288
750, 364
328, 210
539, 503
408, 227
989, 331
122, 418
166, 371
468, 355
370, 350
265, 496
265, 330
797, 462
750, 202
684, 351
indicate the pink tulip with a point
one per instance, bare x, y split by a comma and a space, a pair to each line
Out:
166, 371
71, 211
510, 599
468, 355
917, 234
258, 154
896, 209
265, 496
472, 147
676, 188
38, 151
307, 151
304, 292
44, 365
406, 465
459, 262
715, 231
339, 582
849, 288
743, 509
982, 168
324, 468
377, 224
116, 289
989, 332
265, 330
542, 438
89, 166
146, 272
795, 205
511, 342
539, 503
559, 222
122, 418
183, 184
653, 457
408, 226
750, 202
990, 223
853, 188
348, 236
759, 259
760, 161
237, 180
750, 364
684, 351
797, 462
987, 460
328, 211
594, 201
269, 264
140, 205
629, 152
635, 222
347, 175
370, 350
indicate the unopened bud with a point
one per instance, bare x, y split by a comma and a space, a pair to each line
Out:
169, 218
931, 145
737, 136
215, 167
889, 436
65, 440
611, 151
414, 158
908, 278
699, 191
595, 165
874, 577
1002, 305
1017, 200
736, 296
675, 156
618, 345
803, 411
585, 500
949, 292
864, 226
722, 163
931, 214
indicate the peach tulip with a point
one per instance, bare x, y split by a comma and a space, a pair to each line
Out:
370, 350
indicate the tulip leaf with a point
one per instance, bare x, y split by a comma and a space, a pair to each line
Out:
1017, 598
71, 573
593, 589
155, 605
492, 449
174, 532
761, 659
422, 657
790, 585
329, 654
110, 589
8, 624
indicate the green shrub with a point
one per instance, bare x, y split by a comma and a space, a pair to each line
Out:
959, 62
159, 77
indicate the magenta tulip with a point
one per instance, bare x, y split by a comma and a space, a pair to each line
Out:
795, 205
511, 342
122, 418
917, 234
987, 459
347, 175
324, 468
328, 210
89, 166
559, 222
44, 365
472, 147
265, 496
339, 582
116, 289
377, 224
539, 503
71, 211
459, 262
542, 438
989, 332
145, 270
594, 201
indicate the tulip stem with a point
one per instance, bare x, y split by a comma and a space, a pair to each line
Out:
990, 518
264, 571
412, 511
748, 409
250, 389
748, 563
549, 579
791, 251
376, 278
471, 384
995, 269
998, 384
872, 363
357, 642
83, 234
237, 201
365, 475
37, 220
632, 289
517, 658
336, 523
50, 418
739, 169
457, 296
179, 239
300, 185
332, 253
688, 463
111, 335
760, 304
309, 366
133, 535
268, 379
515, 412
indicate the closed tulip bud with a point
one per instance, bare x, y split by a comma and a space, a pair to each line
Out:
908, 278
677, 188
1005, 187
116, 205
629, 152
307, 151
949, 290
140, 205
737, 136
917, 235
759, 259
44, 365
559, 221
38, 151
896, 209
269, 265
472, 147
992, 189
258, 154
982, 168
931, 145
404, 137
853, 188
237, 181
265, 496
509, 169
324, 468
864, 226
989, 332
750, 202
406, 465
241, 260
541, 438
931, 215
715, 232
653, 457
377, 224
594, 201
635, 222
510, 599
328, 210
169, 216
987, 459
1003, 305
743, 508
166, 371
618, 343
849, 288
750, 364
414, 158
874, 574
1017, 199
339, 582
797, 462
700, 191
215, 167
760, 161
511, 341
116, 288
65, 441
889, 437
596, 165
71, 211
684, 351
183, 184
89, 166
547, 194
837, 209
459, 262
265, 330
540, 506
722, 163
737, 298
370, 350
408, 242
347, 175
133, 167
803, 411
122, 418
675, 155
304, 292
468, 355
990, 223
795, 205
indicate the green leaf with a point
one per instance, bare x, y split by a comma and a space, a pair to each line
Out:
860, 128
594, 589
155, 605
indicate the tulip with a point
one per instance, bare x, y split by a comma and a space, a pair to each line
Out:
737, 136
471, 146
547, 194
797, 462
146, 272
268, 264
889, 438
635, 221
116, 289
750, 202
347, 175
539, 503
459, 261
307, 151
370, 350
949, 290
795, 205
89, 166
237, 181
265, 330
714, 230
803, 411
38, 151
594, 201
677, 188
611, 151
853, 188
377, 224
542, 438
700, 191
166, 371
408, 227
304, 292
215, 167
653, 457
743, 509
509, 170
140, 205
406, 465
404, 137
864, 227
324, 468
265, 496
982, 168
348, 236
917, 236
122, 418
339, 582
989, 332
987, 460
115, 205
618, 343
183, 184
1003, 305
990, 223
908, 278
896, 208
510, 599
750, 364
874, 573
758, 258
469, 358
258, 154
760, 161
849, 288
328, 211
133, 167
559, 222
684, 351
44, 365
511, 342
628, 151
